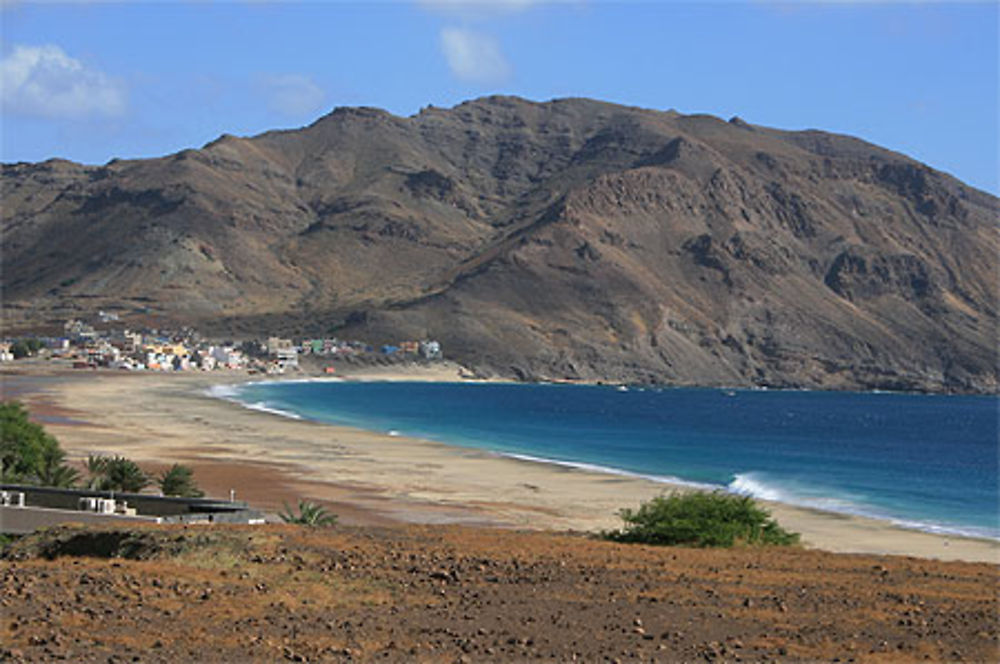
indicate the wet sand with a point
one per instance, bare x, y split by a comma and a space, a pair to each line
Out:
370, 478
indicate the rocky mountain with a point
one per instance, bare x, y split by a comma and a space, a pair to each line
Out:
567, 239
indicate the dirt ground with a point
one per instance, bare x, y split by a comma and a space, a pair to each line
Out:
459, 594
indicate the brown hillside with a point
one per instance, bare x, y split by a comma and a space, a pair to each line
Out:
568, 239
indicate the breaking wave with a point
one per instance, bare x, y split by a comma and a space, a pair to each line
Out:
264, 408
759, 485
231, 392
228, 391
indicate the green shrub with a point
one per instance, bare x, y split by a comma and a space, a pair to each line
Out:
6, 540
701, 519
309, 514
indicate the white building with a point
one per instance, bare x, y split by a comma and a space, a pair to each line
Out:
274, 344
430, 350
287, 357
228, 357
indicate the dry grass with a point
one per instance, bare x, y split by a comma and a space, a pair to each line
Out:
432, 594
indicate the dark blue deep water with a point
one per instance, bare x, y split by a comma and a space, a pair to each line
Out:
929, 462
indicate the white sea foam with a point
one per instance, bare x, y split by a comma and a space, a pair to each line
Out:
231, 392
757, 485
607, 470
947, 529
227, 391
264, 408
293, 381
748, 485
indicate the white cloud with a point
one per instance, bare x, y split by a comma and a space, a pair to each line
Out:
473, 56
292, 94
452, 6
44, 81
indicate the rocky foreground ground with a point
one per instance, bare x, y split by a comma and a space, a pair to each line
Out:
237, 594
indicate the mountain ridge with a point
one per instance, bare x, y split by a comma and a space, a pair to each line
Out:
566, 239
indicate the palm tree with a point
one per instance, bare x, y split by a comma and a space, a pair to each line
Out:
53, 471
115, 474
310, 514
179, 481
124, 475
63, 477
97, 467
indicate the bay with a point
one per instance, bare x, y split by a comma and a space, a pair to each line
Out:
924, 461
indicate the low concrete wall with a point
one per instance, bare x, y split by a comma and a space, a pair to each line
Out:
61, 505
68, 499
24, 520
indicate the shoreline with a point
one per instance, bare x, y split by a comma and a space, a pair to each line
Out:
667, 482
373, 478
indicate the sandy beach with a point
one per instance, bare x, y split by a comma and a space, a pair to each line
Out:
369, 478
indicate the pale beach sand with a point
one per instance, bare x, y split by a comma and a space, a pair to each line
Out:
367, 477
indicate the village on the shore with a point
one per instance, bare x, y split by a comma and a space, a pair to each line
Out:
101, 343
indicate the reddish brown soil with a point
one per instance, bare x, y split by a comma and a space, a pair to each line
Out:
461, 594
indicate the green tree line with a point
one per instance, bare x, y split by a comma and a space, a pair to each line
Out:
25, 348
31, 455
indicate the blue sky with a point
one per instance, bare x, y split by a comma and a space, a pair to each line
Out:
90, 81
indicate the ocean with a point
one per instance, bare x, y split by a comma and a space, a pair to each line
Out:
927, 462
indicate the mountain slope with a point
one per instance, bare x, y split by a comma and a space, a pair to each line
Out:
570, 239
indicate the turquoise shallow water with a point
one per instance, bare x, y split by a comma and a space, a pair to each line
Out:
928, 462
